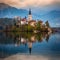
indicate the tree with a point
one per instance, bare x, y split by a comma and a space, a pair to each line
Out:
47, 24
30, 28
38, 26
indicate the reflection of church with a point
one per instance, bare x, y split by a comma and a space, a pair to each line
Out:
22, 40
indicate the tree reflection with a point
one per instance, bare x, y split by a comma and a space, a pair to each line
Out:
25, 38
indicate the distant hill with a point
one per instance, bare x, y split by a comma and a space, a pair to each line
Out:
52, 14
3, 6
5, 21
56, 29
8, 11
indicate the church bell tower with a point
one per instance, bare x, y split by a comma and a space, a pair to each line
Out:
30, 15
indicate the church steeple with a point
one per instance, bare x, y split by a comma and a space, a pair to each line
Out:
29, 11
29, 15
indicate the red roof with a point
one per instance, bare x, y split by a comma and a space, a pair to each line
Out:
23, 19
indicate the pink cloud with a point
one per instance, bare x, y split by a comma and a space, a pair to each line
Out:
27, 3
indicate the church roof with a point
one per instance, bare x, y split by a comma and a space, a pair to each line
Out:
29, 11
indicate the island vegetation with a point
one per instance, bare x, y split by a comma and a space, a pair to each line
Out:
38, 27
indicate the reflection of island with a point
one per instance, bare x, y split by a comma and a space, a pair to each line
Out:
25, 38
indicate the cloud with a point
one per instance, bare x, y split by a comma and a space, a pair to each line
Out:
29, 3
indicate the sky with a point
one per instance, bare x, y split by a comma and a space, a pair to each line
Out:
28, 3
37, 6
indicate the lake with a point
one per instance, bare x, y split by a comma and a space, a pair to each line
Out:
30, 44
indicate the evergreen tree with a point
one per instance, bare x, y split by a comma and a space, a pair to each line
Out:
47, 24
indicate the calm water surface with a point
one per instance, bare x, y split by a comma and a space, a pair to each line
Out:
45, 44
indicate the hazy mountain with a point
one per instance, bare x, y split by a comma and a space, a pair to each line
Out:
52, 14
8, 11
3, 6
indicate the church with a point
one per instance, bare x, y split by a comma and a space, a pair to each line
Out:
28, 20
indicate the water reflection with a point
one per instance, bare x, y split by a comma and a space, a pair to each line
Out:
22, 38
22, 42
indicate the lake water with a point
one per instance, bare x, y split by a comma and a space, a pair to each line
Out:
22, 43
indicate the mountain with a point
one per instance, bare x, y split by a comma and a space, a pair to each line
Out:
9, 11
52, 14
3, 6
53, 17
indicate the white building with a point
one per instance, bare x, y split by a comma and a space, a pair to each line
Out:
23, 21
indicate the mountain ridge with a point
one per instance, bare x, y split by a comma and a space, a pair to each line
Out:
6, 11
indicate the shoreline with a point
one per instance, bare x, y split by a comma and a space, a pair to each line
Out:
31, 57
